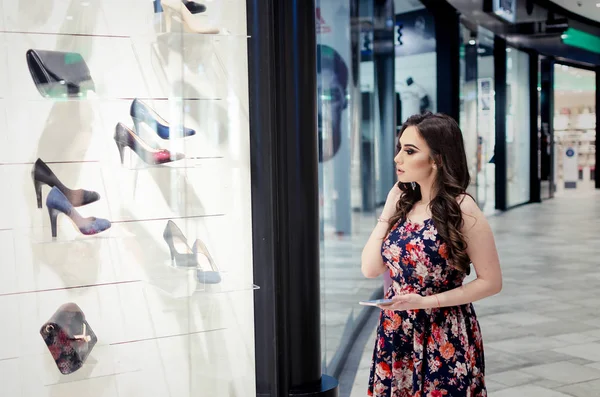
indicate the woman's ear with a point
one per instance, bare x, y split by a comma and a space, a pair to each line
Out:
437, 162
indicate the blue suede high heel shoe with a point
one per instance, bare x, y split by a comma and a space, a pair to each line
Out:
142, 113
56, 202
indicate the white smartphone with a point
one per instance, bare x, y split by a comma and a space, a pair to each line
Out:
376, 302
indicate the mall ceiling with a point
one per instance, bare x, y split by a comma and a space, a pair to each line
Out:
586, 8
585, 17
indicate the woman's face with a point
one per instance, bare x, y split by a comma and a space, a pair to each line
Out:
413, 161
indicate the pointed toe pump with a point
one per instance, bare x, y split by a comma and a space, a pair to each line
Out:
181, 253
206, 275
142, 113
191, 14
43, 175
125, 137
57, 203
185, 257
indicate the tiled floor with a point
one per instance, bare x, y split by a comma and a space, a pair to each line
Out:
542, 332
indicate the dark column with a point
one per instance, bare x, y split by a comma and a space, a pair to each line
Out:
547, 122
534, 136
597, 127
283, 145
500, 147
447, 36
384, 64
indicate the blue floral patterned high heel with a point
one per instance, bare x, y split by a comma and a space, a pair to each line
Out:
57, 203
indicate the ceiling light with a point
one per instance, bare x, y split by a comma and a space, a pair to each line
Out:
597, 4
563, 36
508, 50
472, 42
539, 88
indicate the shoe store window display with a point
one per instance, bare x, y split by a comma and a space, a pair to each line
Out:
103, 286
429, 235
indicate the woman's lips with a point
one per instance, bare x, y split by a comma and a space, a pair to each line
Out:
399, 172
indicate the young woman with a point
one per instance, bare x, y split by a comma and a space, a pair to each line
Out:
428, 340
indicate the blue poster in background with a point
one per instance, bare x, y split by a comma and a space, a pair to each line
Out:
333, 80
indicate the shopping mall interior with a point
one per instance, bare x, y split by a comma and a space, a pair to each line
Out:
188, 186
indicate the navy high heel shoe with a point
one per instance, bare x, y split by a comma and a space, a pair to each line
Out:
42, 174
142, 113
57, 203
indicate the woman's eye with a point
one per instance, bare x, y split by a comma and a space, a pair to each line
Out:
409, 151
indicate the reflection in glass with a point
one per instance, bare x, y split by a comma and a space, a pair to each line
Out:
517, 127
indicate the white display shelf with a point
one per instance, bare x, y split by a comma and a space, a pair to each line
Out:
217, 363
128, 251
117, 314
111, 61
59, 16
51, 130
165, 66
108, 17
184, 65
160, 331
125, 195
3, 61
79, 131
2, 16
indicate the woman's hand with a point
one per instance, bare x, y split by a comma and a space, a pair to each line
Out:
389, 209
406, 302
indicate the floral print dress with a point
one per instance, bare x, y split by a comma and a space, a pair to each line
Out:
425, 353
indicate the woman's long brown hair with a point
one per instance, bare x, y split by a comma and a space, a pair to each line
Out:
444, 138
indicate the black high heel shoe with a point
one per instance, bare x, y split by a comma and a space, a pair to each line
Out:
193, 7
184, 256
42, 174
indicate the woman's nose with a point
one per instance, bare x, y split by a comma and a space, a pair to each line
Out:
398, 158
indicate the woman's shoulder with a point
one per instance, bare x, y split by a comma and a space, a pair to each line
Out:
467, 204
471, 213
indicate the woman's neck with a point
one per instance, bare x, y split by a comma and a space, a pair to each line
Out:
426, 194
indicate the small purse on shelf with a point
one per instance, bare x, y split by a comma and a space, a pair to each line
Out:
59, 74
69, 338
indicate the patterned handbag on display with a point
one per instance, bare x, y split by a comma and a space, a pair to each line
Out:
69, 338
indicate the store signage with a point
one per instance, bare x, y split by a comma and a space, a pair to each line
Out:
583, 40
570, 167
322, 26
503, 9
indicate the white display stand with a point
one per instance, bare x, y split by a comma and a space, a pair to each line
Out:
160, 331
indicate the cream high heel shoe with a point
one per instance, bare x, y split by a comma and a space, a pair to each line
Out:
190, 14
